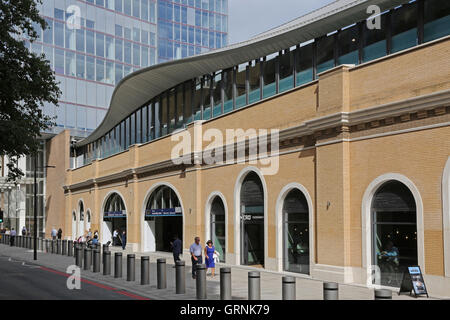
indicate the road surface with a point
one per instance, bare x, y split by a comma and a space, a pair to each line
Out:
24, 281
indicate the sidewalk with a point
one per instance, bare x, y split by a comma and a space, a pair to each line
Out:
307, 289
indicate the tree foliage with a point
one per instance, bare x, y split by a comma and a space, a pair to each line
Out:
26, 83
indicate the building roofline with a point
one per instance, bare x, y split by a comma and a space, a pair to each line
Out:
141, 86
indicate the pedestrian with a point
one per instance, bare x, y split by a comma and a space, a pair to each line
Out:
53, 233
24, 231
124, 239
12, 237
59, 233
196, 255
176, 248
90, 233
96, 233
209, 257
115, 234
95, 240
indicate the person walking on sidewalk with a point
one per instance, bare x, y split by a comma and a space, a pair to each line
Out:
59, 234
209, 257
53, 233
124, 239
13, 237
24, 231
115, 234
176, 248
196, 255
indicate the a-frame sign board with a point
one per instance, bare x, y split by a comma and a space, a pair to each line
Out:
413, 281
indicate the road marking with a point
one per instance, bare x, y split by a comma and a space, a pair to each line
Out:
99, 285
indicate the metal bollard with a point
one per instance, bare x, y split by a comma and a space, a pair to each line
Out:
53, 246
161, 273
180, 277
47, 245
225, 283
118, 265
78, 256
145, 276
254, 285
330, 291
96, 261
104, 249
131, 267
41, 244
28, 243
70, 245
288, 288
383, 294
87, 259
58, 246
106, 263
200, 281
64, 247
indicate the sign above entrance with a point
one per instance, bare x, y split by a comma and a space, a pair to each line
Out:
115, 214
164, 212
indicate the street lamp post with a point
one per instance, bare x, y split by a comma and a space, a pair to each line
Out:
35, 205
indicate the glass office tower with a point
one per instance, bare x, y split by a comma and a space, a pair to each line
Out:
188, 27
91, 46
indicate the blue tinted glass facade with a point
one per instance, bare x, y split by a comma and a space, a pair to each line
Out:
186, 28
91, 45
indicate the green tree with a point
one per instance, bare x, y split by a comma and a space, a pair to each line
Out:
26, 82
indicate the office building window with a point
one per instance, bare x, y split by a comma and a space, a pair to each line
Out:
436, 19
374, 40
206, 93
286, 70
404, 27
254, 81
325, 53
348, 45
269, 75
90, 68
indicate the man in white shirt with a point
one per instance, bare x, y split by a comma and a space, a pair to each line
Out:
115, 234
54, 233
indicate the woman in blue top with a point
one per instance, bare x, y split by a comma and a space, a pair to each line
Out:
209, 253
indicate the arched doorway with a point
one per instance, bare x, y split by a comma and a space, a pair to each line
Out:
394, 231
114, 218
74, 225
252, 220
81, 219
296, 232
163, 219
217, 227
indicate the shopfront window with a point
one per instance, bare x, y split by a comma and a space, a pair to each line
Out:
394, 232
296, 232
218, 227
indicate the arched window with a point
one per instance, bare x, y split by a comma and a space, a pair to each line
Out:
163, 198
114, 204
252, 220
296, 232
218, 226
81, 210
394, 231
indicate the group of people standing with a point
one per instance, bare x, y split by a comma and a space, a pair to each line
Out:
89, 238
119, 238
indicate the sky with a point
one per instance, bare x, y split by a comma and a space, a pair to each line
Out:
248, 18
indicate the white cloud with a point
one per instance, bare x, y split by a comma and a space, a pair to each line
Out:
248, 18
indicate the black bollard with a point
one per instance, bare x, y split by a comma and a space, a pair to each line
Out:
180, 277
200, 281
64, 247
288, 288
225, 283
87, 259
330, 291
383, 294
161, 273
96, 260
106, 263
145, 272
131, 268
254, 285
118, 265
